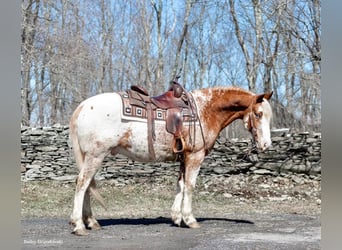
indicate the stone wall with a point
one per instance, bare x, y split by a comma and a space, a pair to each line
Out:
45, 155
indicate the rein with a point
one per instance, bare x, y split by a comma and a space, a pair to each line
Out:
249, 152
200, 124
252, 127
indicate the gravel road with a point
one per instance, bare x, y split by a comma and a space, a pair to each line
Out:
247, 231
236, 212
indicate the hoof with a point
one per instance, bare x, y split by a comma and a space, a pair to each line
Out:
194, 225
95, 226
177, 224
177, 220
80, 232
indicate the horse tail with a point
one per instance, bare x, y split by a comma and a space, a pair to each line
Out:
79, 155
95, 193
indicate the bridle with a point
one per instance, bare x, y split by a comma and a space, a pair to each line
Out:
250, 125
252, 118
252, 128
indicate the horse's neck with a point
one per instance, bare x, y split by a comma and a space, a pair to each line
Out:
218, 107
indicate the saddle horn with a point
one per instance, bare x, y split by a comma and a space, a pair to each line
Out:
177, 89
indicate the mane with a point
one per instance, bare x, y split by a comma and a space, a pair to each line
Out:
233, 88
218, 90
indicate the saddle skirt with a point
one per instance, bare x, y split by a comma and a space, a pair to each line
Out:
176, 110
135, 108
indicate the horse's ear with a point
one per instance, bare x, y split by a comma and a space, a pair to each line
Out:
267, 96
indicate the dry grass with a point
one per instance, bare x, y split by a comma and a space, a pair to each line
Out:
55, 199
154, 198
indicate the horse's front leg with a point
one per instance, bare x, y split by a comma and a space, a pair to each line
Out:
182, 208
191, 174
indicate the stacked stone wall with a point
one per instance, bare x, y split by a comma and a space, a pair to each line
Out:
45, 154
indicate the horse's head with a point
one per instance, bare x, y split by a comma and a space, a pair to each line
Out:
257, 120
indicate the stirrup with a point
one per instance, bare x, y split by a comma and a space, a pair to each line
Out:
178, 145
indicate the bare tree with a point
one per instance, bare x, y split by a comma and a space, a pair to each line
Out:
181, 39
74, 49
30, 10
252, 61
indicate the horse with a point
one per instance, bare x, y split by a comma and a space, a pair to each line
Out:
97, 129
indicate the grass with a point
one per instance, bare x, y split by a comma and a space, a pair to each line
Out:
55, 199
46, 199
149, 198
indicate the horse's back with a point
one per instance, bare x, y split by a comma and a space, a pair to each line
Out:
101, 104
97, 118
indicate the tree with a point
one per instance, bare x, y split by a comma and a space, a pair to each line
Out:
75, 49
30, 10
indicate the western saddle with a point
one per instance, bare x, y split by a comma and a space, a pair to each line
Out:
174, 106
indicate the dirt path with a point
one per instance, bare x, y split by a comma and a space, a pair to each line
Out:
253, 231
237, 212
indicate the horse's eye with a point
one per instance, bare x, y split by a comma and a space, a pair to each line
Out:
258, 115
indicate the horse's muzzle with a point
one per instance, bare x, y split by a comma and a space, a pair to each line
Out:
265, 145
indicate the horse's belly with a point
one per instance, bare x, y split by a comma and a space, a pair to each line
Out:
138, 148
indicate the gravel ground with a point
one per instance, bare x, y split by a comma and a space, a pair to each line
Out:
236, 212
254, 231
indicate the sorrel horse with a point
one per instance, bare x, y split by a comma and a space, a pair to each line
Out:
97, 129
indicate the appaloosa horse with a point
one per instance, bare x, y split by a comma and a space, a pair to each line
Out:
97, 129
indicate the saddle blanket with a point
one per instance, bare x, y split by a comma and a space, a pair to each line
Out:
132, 112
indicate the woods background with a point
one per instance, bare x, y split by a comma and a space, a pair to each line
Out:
72, 50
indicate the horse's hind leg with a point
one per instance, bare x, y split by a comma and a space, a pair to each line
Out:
176, 210
88, 217
87, 172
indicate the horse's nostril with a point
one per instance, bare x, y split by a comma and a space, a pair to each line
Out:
266, 145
